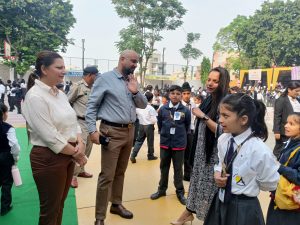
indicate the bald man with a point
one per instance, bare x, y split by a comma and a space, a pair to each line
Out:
113, 100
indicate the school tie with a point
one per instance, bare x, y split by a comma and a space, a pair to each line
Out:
188, 105
229, 180
173, 110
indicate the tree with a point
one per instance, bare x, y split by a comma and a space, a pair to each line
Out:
34, 25
205, 68
188, 52
271, 37
236, 62
143, 44
229, 40
273, 34
147, 20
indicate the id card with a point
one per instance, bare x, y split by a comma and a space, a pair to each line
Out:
222, 194
172, 130
177, 115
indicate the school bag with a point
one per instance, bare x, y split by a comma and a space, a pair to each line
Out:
285, 190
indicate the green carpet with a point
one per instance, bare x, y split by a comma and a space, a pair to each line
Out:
25, 198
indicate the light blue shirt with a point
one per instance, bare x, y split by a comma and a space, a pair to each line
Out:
111, 100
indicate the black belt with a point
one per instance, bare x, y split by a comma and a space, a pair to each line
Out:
81, 117
117, 124
244, 197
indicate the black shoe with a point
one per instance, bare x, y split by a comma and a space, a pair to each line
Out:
152, 157
181, 199
132, 159
157, 195
5, 211
121, 211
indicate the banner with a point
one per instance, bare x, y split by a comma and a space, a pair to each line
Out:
255, 74
295, 73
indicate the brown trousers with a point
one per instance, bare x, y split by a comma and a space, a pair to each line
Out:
52, 174
114, 161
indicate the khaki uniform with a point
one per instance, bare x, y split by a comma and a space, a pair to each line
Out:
78, 97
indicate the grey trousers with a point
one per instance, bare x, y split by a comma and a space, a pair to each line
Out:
145, 131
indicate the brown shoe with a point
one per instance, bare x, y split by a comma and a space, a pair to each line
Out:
85, 175
99, 222
74, 183
121, 211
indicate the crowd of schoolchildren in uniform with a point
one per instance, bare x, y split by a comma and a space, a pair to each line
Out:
245, 165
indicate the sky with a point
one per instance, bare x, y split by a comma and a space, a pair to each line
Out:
98, 23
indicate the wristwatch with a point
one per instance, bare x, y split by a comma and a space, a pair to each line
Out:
205, 117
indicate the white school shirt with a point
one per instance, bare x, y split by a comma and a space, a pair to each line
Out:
147, 116
2, 89
295, 104
13, 143
190, 107
51, 121
254, 168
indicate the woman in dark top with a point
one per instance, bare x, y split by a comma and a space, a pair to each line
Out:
204, 151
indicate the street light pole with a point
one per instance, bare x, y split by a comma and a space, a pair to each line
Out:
163, 67
83, 49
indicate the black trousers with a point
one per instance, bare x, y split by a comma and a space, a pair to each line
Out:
145, 131
17, 103
6, 180
10, 102
2, 98
166, 156
187, 152
136, 131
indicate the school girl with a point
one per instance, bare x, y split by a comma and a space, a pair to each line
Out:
9, 155
246, 164
275, 215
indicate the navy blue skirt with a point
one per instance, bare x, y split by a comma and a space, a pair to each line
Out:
240, 210
282, 217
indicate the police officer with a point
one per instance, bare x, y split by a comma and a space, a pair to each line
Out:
78, 97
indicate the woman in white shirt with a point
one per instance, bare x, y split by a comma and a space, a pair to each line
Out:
55, 135
246, 165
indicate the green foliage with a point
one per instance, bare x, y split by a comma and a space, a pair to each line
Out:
130, 38
147, 20
34, 25
270, 37
273, 35
228, 38
188, 52
205, 68
238, 62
